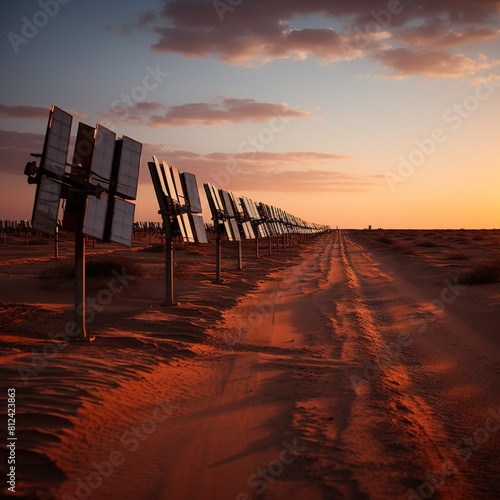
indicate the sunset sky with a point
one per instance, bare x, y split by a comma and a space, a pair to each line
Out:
344, 113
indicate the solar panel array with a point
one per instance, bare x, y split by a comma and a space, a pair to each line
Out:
179, 202
241, 218
96, 187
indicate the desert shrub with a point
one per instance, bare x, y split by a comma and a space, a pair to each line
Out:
458, 256
153, 249
385, 240
482, 273
96, 266
405, 249
40, 241
426, 244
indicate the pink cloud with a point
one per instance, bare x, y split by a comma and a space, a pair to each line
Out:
404, 62
294, 171
440, 36
31, 112
253, 33
221, 111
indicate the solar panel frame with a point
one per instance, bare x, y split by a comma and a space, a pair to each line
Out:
250, 230
128, 162
123, 222
94, 222
228, 204
191, 190
56, 145
200, 231
235, 231
102, 156
169, 181
189, 230
178, 185
157, 184
46, 206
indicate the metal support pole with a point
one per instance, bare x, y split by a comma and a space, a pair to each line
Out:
56, 243
218, 257
269, 244
277, 241
169, 272
240, 256
80, 312
257, 256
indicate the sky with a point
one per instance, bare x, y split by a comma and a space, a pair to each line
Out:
346, 113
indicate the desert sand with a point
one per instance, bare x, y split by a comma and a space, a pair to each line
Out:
355, 365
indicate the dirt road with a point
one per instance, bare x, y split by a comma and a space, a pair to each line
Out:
352, 375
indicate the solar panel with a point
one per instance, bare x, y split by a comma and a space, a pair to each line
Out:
200, 231
169, 181
213, 200
84, 147
178, 185
46, 208
129, 161
228, 205
235, 231
189, 231
123, 222
253, 208
182, 228
102, 158
155, 177
244, 230
191, 190
55, 150
95, 216
218, 199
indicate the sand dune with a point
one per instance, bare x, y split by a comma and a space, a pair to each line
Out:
340, 368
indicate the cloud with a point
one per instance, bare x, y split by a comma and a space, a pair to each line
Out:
440, 36
254, 33
221, 111
307, 181
403, 62
294, 171
23, 111
31, 112
15, 149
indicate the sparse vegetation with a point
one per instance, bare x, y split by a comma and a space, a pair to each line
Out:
458, 256
385, 240
426, 244
482, 273
97, 266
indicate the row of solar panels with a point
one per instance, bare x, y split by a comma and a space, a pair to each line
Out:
6, 225
99, 160
241, 218
179, 202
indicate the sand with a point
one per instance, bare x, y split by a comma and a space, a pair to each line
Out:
344, 367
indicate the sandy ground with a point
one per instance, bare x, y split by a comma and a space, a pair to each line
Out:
341, 368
